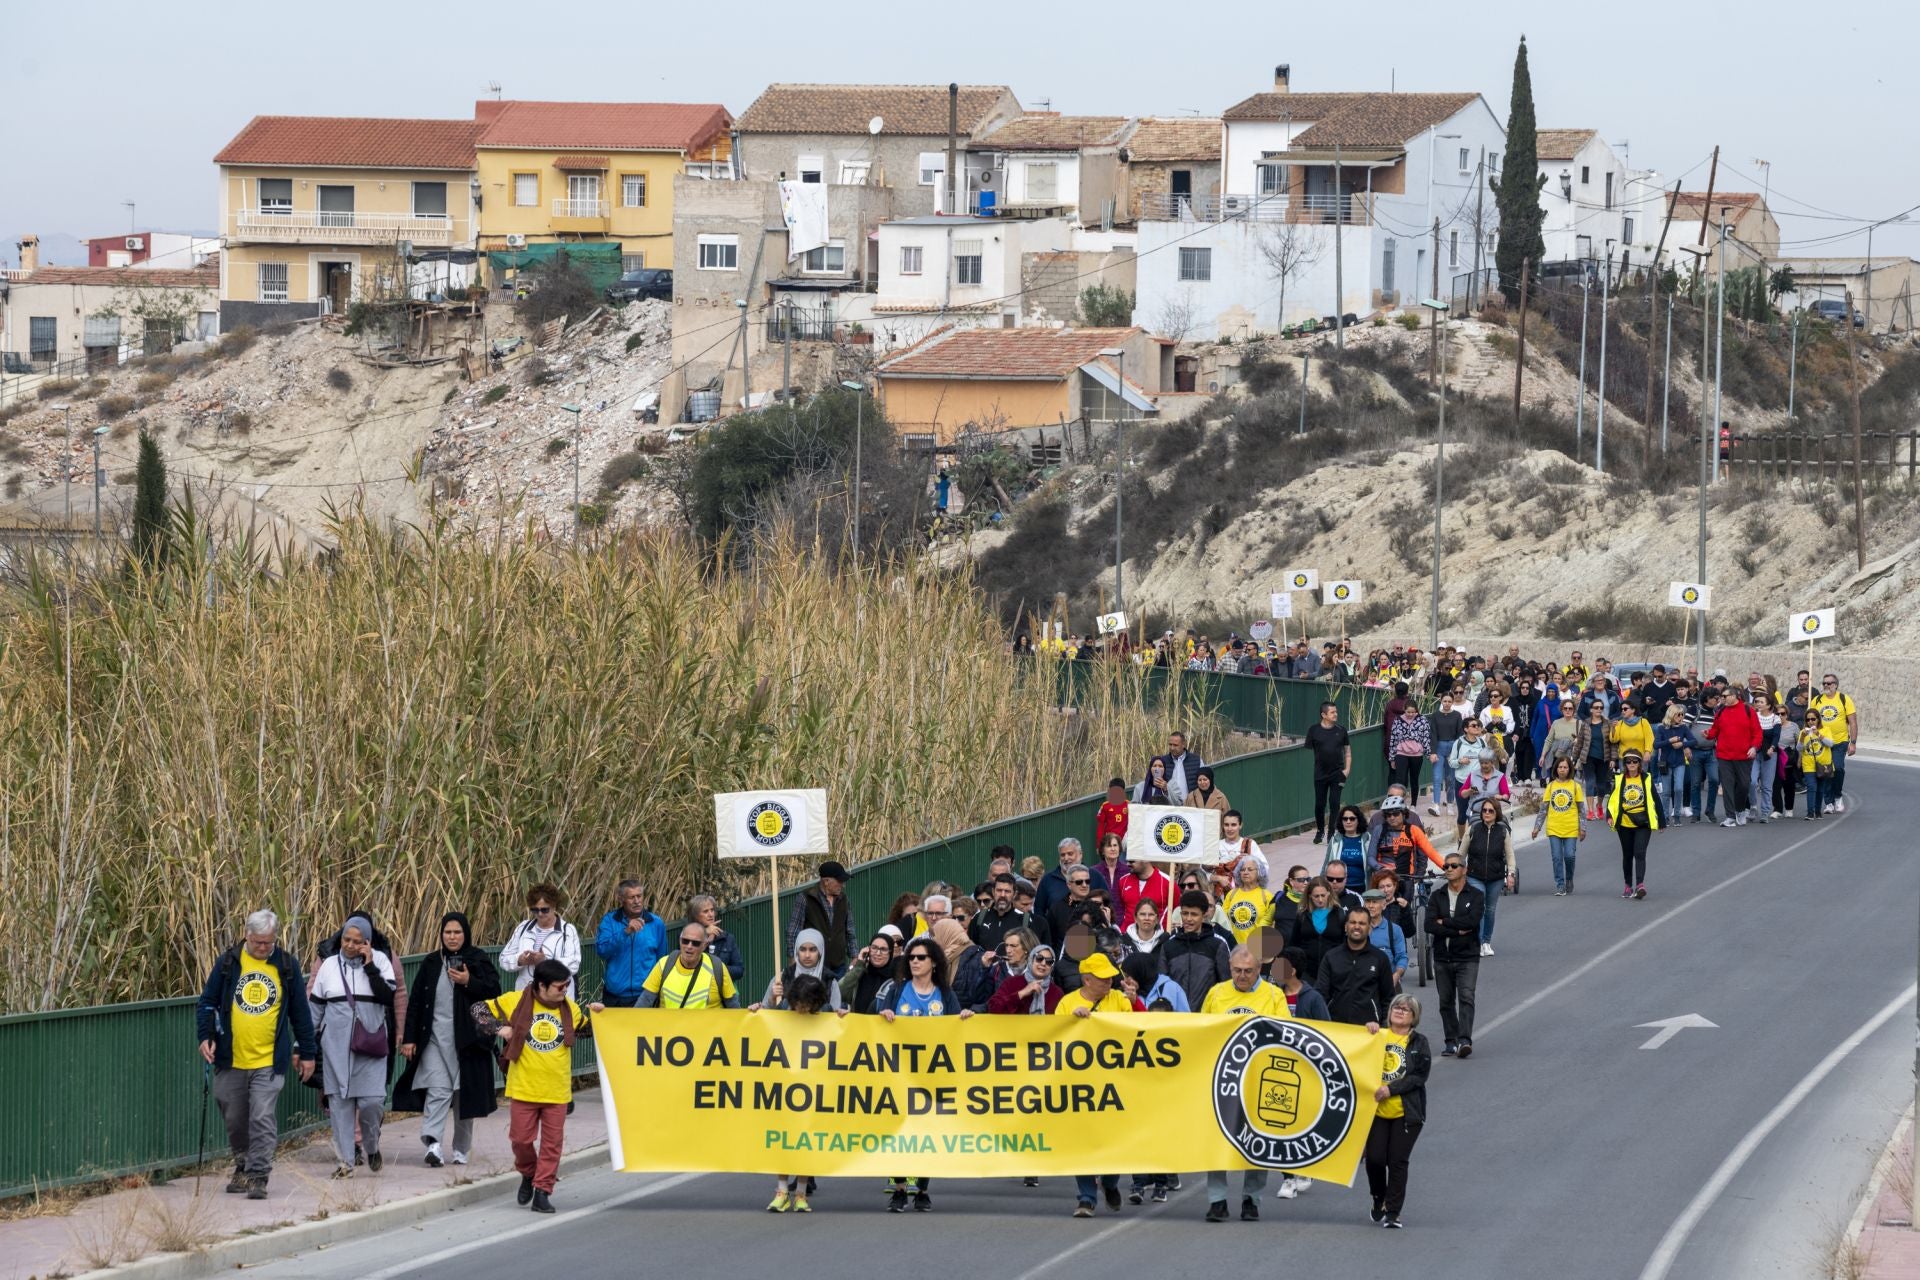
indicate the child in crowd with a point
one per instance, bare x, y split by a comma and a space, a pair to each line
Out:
806, 994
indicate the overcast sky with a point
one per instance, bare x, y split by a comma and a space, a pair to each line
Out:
133, 106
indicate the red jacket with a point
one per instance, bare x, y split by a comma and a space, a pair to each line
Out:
1155, 885
1112, 817
1735, 731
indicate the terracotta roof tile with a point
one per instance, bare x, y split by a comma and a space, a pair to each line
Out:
1050, 132
1007, 353
1560, 144
580, 162
1352, 119
917, 110
1179, 138
609, 126
352, 142
204, 276
1289, 106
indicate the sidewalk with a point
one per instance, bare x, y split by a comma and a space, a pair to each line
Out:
189, 1213
1885, 1243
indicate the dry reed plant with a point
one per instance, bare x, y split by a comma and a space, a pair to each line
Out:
425, 724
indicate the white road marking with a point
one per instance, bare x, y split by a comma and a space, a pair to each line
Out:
1099, 1237
1614, 950
1676, 1238
414, 1266
1671, 1027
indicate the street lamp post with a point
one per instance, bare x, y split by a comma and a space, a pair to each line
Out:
1580, 401
1119, 357
97, 479
577, 412
859, 413
1439, 467
1600, 401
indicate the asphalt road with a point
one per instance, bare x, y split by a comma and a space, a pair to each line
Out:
1562, 1148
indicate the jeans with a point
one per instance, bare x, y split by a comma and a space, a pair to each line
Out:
1564, 850
1760, 784
1599, 780
1084, 1186
1444, 782
1836, 785
1326, 801
1633, 854
1493, 889
1671, 784
248, 1103
1252, 1183
1817, 795
1389, 1144
1455, 981
1703, 785
1733, 784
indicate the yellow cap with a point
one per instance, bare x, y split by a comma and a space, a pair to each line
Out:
1098, 966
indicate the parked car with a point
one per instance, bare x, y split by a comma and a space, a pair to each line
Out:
1834, 310
647, 282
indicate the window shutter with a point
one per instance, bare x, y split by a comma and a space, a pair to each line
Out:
967, 248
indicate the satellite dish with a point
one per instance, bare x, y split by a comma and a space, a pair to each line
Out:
875, 125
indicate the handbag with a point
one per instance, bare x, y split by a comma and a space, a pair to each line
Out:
362, 1040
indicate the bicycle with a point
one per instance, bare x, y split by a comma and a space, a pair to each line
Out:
1422, 890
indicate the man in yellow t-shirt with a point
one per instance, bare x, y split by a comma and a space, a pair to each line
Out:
539, 1025
689, 979
1245, 991
1841, 720
1096, 995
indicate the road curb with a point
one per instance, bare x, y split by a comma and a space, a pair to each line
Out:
239, 1251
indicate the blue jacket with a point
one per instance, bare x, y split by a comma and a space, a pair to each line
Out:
629, 957
296, 1018
1387, 936
1165, 988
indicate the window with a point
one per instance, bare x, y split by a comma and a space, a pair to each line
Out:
336, 206
273, 282
1043, 182
1493, 162
811, 168
910, 259
853, 173
633, 190
429, 199
1453, 248
583, 196
526, 190
1583, 175
933, 164
1196, 264
1273, 179
1466, 158
276, 196
632, 262
43, 340
1388, 251
1609, 190
1626, 229
119, 258
828, 259
719, 253
967, 261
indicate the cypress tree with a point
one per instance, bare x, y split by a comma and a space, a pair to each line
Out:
1517, 189
150, 503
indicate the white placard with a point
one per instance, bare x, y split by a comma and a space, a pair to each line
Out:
762, 824
1689, 595
1112, 623
1345, 591
1172, 833
1816, 624
1261, 630
1283, 604
1301, 579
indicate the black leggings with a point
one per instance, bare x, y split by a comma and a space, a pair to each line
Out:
1326, 802
1599, 780
1389, 1145
1633, 853
1407, 771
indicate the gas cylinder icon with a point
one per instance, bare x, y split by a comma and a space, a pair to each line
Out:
1278, 1102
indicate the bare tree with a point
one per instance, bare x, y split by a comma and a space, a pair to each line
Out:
1289, 249
1174, 318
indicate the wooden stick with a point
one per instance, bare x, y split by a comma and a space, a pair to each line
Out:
773, 865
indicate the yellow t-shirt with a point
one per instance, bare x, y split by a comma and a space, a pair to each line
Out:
1834, 708
1635, 737
1248, 911
1265, 999
1115, 1001
682, 988
1816, 751
544, 1070
1634, 802
256, 1013
1394, 1106
1563, 803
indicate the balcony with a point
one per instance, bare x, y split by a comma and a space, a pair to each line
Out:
570, 214
333, 226
1324, 209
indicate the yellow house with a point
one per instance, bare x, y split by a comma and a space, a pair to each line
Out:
593, 171
310, 205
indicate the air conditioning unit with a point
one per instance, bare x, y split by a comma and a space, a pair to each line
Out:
136, 242
516, 242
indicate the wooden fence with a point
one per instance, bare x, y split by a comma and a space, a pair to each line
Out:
1885, 456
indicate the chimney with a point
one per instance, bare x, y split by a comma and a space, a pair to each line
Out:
29, 247
1283, 78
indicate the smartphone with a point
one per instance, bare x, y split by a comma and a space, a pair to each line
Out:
457, 965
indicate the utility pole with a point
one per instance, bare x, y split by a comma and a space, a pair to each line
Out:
1859, 504
859, 493
66, 464
577, 410
1339, 274
1719, 342
1439, 468
1119, 357
1433, 343
1520, 359
1666, 381
1653, 302
1600, 409
100, 431
1793, 364
746, 365
1479, 227
1304, 361
1580, 405
786, 362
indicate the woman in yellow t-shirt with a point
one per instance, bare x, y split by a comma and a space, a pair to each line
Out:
1400, 1109
1563, 812
1816, 764
1249, 907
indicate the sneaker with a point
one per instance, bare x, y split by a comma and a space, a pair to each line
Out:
780, 1203
1452, 1050
1561, 892
898, 1204
458, 1157
1217, 1211
1773, 813
257, 1187
1159, 1195
1112, 1195
1827, 807
1084, 1209
1640, 890
1249, 1209
1486, 948
374, 1161
1466, 1050
1287, 1190
1740, 821
1840, 805
1627, 892
238, 1183
1433, 810
1173, 1183
525, 1193
1696, 817
1729, 822
1136, 1196
800, 1205
359, 1155
1318, 838
434, 1160
1686, 811
922, 1202
346, 1171
1378, 1213
1391, 1224
541, 1204
1029, 1182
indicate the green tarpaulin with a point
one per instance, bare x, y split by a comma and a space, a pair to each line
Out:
600, 261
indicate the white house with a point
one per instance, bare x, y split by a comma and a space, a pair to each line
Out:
1053, 165
1303, 173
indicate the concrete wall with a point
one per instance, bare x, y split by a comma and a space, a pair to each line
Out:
893, 159
71, 304
1243, 298
1156, 179
645, 230
947, 407
386, 191
1574, 226
260, 315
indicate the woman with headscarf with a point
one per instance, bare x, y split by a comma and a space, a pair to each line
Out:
965, 964
1032, 990
353, 993
1204, 794
809, 959
879, 962
449, 1062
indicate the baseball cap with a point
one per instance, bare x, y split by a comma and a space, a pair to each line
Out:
833, 871
1098, 966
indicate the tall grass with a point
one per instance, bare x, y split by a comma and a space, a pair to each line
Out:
425, 724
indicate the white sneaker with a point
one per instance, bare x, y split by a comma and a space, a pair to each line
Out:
1773, 813
1434, 811
1727, 822
1486, 948
1740, 821
1287, 1190
459, 1157
1686, 811
1840, 805
433, 1155
1827, 808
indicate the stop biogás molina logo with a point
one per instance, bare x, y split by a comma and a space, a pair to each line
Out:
1560, 801
769, 823
1283, 1094
1172, 835
546, 1034
1810, 623
1299, 580
1691, 595
258, 992
1342, 591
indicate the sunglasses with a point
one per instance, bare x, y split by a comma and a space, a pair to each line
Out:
1080, 880
1336, 879
543, 911
696, 943
1298, 879
1456, 866
920, 956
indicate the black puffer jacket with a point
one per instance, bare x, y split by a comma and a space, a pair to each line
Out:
1410, 1083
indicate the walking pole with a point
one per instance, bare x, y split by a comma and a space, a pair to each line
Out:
206, 1091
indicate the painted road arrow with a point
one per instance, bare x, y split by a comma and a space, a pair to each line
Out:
1671, 1027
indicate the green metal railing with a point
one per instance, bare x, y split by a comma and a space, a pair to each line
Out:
110, 1090
1268, 706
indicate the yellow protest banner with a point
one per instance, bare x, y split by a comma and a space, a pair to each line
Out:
729, 1091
